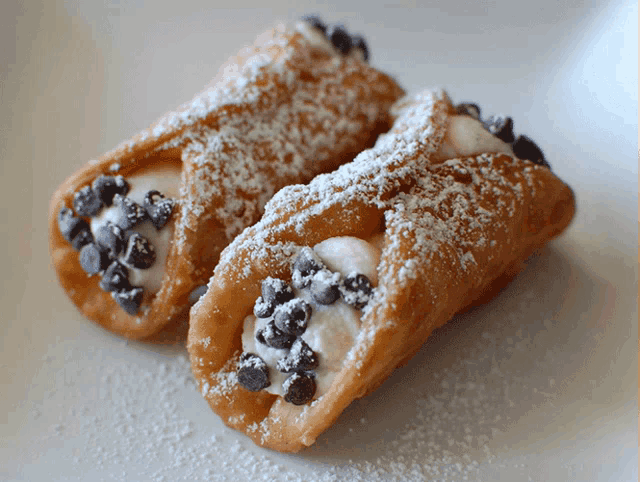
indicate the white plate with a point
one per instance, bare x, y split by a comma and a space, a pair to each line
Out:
540, 384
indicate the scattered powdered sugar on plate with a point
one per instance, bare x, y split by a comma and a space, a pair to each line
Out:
136, 425
134, 413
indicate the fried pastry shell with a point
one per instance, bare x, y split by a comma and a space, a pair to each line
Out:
280, 112
456, 231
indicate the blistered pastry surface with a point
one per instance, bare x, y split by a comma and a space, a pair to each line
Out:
455, 232
281, 111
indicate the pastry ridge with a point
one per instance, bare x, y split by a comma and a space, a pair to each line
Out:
280, 112
455, 232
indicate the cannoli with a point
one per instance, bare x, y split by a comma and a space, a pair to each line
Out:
134, 236
343, 279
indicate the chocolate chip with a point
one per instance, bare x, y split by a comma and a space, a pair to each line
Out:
115, 278
525, 148
300, 358
106, 187
340, 38
86, 202
271, 336
325, 287
129, 300
262, 309
69, 224
140, 253
316, 22
299, 388
275, 291
468, 108
111, 238
253, 373
306, 264
292, 317
360, 43
130, 212
357, 290
501, 127
93, 260
83, 238
158, 208
260, 337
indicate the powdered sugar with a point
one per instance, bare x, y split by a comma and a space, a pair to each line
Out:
259, 142
426, 208
438, 210
443, 417
280, 112
223, 380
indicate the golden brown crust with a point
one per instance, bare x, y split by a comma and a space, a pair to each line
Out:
280, 112
455, 232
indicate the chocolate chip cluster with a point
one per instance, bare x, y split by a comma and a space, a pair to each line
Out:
116, 245
287, 319
502, 127
339, 36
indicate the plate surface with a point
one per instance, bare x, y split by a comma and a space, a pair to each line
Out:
539, 384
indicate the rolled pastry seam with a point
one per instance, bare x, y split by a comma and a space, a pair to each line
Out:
455, 231
295, 104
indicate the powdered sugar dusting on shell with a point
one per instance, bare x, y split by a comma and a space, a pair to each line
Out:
275, 107
371, 177
441, 220
280, 104
435, 204
280, 112
222, 381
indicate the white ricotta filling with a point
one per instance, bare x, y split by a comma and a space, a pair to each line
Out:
332, 329
466, 137
167, 182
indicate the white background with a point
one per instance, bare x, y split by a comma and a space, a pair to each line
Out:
540, 384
